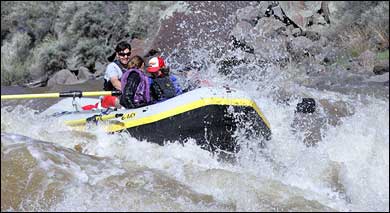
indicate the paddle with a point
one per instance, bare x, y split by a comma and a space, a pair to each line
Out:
78, 94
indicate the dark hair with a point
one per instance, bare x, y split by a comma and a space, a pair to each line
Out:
119, 47
152, 52
122, 46
136, 62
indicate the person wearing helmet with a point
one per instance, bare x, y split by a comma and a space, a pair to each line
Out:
163, 85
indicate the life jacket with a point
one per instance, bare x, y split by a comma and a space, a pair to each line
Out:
107, 86
164, 88
142, 94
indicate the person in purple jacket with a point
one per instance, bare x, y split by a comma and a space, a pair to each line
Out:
135, 85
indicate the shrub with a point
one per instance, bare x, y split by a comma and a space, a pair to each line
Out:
50, 55
363, 26
34, 18
13, 59
87, 51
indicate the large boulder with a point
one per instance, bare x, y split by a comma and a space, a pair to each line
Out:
205, 25
306, 13
84, 74
64, 77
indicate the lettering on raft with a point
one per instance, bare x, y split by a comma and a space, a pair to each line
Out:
128, 116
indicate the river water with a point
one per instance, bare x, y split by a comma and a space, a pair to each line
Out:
44, 169
348, 170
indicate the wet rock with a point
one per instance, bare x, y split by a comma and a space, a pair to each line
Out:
227, 65
333, 176
243, 31
300, 48
274, 51
268, 26
250, 14
308, 105
309, 122
263, 8
309, 126
208, 22
239, 44
335, 110
301, 12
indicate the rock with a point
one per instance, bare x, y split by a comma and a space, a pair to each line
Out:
239, 44
335, 110
381, 69
299, 48
208, 22
367, 60
262, 8
382, 78
39, 82
62, 77
296, 32
268, 26
277, 12
249, 14
138, 47
300, 12
99, 69
84, 74
308, 105
243, 31
314, 36
271, 50
310, 126
37, 74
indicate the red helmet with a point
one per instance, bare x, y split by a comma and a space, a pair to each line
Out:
155, 64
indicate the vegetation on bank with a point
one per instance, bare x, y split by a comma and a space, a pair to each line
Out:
41, 38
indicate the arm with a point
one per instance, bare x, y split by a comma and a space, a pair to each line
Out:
112, 76
176, 84
116, 82
127, 97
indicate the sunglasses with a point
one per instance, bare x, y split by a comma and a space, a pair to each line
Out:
124, 54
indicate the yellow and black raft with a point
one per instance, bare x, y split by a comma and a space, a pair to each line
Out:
212, 116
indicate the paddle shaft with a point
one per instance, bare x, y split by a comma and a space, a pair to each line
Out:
78, 94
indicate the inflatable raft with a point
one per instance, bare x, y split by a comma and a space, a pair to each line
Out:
209, 115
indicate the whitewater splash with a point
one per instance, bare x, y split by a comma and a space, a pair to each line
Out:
347, 171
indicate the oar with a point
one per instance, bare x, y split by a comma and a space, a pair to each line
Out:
94, 118
78, 94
